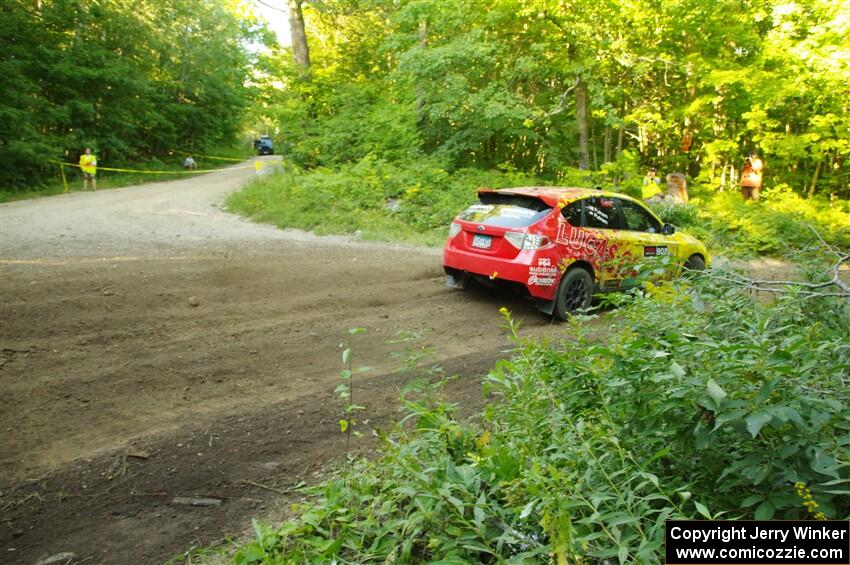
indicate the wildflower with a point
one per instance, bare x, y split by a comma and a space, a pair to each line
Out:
483, 439
504, 311
809, 503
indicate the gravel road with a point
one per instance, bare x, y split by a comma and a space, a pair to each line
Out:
155, 346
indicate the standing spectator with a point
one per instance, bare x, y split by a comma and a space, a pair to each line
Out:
88, 166
677, 191
189, 164
651, 184
677, 188
751, 177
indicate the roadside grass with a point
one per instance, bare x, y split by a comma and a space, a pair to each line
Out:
374, 199
414, 202
685, 410
107, 179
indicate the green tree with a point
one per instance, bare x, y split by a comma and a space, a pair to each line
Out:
132, 78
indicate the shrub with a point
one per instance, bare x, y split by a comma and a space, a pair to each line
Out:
414, 200
701, 403
782, 220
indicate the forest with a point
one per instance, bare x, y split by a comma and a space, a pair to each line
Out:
547, 86
542, 87
132, 79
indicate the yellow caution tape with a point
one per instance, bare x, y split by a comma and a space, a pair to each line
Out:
64, 180
207, 156
196, 171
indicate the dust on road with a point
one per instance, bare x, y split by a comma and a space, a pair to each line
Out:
154, 346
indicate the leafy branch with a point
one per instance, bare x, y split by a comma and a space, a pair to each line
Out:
345, 390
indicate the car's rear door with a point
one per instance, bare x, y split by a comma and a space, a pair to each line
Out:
594, 241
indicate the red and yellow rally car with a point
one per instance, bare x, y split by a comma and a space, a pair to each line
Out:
561, 244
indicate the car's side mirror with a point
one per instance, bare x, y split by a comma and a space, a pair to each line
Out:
668, 229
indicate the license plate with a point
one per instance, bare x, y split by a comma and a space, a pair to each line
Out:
482, 241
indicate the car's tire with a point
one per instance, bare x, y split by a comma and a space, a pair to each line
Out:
695, 263
574, 293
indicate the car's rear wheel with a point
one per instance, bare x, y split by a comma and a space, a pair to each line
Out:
574, 293
695, 263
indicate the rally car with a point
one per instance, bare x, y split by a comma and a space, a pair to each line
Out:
562, 245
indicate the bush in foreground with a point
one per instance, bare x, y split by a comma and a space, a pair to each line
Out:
700, 404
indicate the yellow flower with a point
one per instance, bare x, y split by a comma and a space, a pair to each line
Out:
483, 439
808, 500
504, 311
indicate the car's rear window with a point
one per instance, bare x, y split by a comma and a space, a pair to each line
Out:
506, 210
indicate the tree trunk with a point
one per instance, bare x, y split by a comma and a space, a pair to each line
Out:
606, 145
420, 95
581, 119
815, 179
621, 134
593, 145
300, 51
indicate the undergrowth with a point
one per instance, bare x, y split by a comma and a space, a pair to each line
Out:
377, 199
702, 403
779, 222
414, 201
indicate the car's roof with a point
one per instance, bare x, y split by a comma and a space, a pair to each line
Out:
553, 195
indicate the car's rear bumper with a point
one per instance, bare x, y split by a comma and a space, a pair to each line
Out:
537, 271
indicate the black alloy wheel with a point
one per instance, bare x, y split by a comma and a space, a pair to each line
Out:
574, 294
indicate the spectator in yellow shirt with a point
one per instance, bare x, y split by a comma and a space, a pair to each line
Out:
88, 165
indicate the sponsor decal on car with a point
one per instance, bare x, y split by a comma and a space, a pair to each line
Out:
543, 274
518, 213
655, 251
479, 208
581, 241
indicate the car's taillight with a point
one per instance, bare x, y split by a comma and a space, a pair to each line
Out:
527, 241
515, 238
535, 241
454, 229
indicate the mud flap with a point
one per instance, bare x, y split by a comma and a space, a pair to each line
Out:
456, 281
545, 306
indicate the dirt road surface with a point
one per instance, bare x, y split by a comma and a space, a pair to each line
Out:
155, 346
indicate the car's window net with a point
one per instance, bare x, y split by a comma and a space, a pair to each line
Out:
506, 210
601, 212
572, 213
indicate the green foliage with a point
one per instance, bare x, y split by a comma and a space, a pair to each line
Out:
781, 221
687, 86
415, 201
380, 199
701, 404
131, 79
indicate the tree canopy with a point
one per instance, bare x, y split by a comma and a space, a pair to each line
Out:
545, 85
538, 86
132, 79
